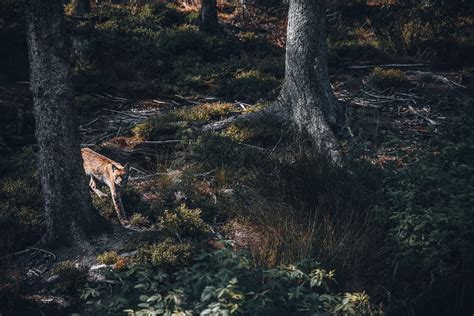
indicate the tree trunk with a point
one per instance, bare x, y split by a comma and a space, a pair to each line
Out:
208, 16
80, 7
306, 94
69, 213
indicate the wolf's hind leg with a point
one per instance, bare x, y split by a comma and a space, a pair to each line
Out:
93, 186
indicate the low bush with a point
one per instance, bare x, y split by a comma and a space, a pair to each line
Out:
181, 118
385, 78
138, 220
430, 225
108, 257
224, 282
166, 255
70, 279
163, 14
183, 222
154, 126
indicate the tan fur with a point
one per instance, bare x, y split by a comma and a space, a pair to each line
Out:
109, 172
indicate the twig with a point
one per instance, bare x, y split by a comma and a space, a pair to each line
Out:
171, 141
35, 248
137, 170
187, 100
386, 65
91, 122
387, 97
412, 110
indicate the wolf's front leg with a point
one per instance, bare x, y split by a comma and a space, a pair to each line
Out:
117, 199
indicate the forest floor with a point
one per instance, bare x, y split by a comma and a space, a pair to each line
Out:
401, 117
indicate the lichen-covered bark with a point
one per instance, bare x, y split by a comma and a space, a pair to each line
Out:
68, 210
208, 16
306, 93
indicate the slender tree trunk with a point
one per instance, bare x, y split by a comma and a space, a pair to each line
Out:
80, 7
208, 21
68, 210
306, 92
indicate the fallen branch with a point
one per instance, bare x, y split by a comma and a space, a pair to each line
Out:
185, 99
438, 78
386, 66
412, 110
171, 141
33, 248
388, 97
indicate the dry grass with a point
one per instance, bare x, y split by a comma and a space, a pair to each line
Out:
310, 209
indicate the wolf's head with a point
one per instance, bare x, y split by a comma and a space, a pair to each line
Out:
121, 174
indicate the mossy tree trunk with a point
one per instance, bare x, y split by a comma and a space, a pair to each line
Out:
80, 7
208, 21
69, 214
306, 93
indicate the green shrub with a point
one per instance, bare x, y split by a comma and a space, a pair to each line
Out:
431, 224
184, 222
138, 220
187, 40
166, 255
108, 257
181, 118
192, 17
70, 279
224, 282
387, 78
164, 14
155, 126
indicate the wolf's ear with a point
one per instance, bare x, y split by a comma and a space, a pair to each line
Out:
127, 167
114, 168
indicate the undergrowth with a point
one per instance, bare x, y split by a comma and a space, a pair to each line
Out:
223, 282
404, 235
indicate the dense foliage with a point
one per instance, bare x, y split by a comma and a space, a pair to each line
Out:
223, 282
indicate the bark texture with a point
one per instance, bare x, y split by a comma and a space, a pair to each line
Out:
306, 94
68, 210
208, 21
80, 7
